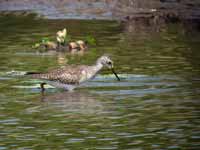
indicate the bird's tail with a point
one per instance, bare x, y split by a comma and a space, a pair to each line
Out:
36, 75
32, 73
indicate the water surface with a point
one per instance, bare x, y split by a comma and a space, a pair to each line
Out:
155, 106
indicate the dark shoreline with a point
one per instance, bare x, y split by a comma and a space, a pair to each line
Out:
105, 9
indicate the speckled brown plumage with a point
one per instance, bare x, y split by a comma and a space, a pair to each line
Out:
67, 75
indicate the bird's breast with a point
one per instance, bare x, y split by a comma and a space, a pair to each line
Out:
86, 75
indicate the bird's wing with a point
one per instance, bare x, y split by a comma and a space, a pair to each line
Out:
67, 75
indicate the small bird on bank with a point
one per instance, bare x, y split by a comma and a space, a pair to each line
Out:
77, 46
71, 76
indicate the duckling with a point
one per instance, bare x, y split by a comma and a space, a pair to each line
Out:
73, 46
77, 46
50, 45
82, 44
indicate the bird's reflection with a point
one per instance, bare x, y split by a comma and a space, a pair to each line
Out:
76, 101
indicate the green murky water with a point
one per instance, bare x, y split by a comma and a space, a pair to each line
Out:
155, 106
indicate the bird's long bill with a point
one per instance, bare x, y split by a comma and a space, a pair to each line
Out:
113, 71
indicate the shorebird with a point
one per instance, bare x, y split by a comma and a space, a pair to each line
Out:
71, 76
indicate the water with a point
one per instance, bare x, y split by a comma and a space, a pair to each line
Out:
154, 106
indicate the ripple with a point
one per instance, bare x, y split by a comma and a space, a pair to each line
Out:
75, 140
134, 92
107, 148
12, 121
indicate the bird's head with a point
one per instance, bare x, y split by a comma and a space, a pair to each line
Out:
106, 61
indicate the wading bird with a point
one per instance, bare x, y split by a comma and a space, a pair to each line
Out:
71, 76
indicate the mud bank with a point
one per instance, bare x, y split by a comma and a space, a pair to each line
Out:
61, 9
106, 9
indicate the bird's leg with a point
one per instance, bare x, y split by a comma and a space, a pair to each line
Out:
42, 86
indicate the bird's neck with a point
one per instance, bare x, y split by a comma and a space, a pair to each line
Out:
98, 67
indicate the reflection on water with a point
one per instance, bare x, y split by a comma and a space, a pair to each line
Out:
154, 106
75, 101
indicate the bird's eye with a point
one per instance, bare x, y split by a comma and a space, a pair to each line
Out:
110, 63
